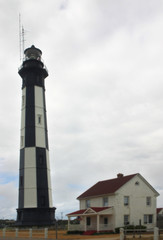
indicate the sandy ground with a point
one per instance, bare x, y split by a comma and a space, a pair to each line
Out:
40, 234
61, 235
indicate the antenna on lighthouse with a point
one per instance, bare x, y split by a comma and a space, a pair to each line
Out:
21, 39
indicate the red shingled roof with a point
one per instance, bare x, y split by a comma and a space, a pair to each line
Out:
107, 186
96, 209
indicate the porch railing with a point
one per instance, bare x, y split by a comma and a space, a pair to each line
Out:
76, 227
81, 227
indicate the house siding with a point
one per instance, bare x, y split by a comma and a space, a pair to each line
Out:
97, 201
137, 203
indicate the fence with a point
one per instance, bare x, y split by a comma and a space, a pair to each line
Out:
151, 234
14, 233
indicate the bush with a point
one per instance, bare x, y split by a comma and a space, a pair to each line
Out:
140, 227
131, 227
106, 232
75, 232
117, 230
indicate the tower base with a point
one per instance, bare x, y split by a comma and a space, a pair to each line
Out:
35, 216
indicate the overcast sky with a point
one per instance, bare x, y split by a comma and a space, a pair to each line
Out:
104, 93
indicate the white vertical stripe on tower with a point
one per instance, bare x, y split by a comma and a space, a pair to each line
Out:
30, 186
39, 117
39, 97
49, 179
22, 134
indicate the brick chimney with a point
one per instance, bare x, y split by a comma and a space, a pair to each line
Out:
119, 175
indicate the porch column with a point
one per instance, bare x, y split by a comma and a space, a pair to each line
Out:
69, 223
98, 223
85, 224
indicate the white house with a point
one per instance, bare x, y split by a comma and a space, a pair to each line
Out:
114, 203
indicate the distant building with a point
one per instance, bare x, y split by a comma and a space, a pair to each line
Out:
160, 217
160, 211
115, 203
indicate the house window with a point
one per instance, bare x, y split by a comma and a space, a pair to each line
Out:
126, 200
88, 221
105, 220
148, 218
137, 183
126, 219
88, 203
148, 201
39, 119
105, 202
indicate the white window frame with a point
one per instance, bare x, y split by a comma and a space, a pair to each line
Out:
148, 201
23, 100
126, 219
126, 200
39, 119
22, 141
105, 201
148, 218
88, 203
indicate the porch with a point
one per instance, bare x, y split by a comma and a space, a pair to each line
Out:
91, 219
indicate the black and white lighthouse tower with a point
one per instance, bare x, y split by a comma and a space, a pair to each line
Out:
35, 207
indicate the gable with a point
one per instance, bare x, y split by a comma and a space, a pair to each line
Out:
89, 210
138, 185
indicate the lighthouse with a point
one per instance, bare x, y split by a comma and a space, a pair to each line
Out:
35, 206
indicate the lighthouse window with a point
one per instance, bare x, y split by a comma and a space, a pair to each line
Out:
22, 141
39, 119
23, 100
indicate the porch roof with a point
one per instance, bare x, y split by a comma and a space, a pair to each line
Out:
91, 210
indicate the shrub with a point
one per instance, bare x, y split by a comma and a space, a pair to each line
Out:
140, 227
117, 230
75, 232
131, 227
